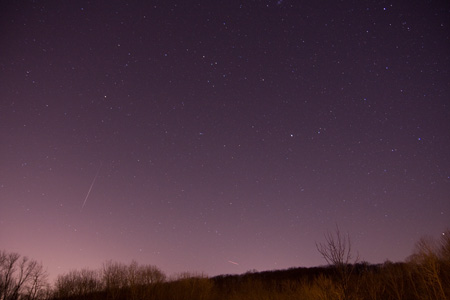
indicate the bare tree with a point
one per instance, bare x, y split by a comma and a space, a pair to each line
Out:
427, 265
445, 247
337, 251
78, 283
20, 277
444, 255
38, 287
141, 279
150, 275
394, 280
114, 278
133, 279
7, 270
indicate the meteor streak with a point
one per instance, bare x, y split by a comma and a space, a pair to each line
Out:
233, 262
90, 188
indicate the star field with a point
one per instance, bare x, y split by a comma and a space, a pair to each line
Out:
221, 137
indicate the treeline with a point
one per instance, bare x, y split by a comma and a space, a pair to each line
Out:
113, 281
424, 275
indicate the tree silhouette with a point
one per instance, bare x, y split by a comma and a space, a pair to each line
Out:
337, 251
21, 276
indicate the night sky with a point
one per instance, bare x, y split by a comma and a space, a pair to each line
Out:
222, 136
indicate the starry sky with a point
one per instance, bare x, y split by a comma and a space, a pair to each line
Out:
222, 136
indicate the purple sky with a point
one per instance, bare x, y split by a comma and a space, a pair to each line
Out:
199, 133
